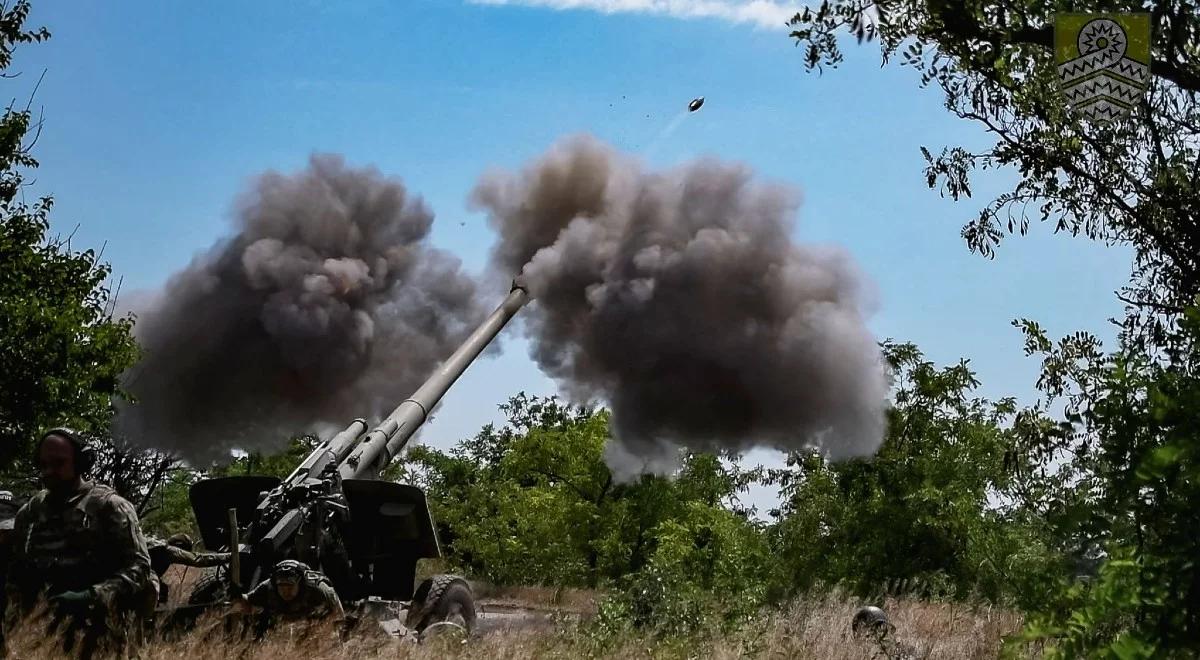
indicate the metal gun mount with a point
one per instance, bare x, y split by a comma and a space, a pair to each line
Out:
333, 512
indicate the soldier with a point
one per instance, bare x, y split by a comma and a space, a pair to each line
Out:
8, 515
164, 554
294, 593
871, 620
872, 623
178, 550
79, 544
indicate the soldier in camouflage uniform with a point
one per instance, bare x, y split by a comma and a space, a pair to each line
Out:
163, 555
177, 550
78, 544
871, 624
8, 516
294, 593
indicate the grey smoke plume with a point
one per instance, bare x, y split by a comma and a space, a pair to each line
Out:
327, 304
680, 299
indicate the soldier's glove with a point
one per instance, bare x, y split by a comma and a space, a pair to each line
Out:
74, 601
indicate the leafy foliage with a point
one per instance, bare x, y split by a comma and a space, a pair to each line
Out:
279, 464
917, 517
1134, 451
1088, 523
1110, 490
534, 502
709, 566
169, 510
1133, 181
63, 351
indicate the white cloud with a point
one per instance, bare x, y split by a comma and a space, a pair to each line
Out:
760, 13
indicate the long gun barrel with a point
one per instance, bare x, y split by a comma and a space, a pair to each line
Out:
376, 450
305, 515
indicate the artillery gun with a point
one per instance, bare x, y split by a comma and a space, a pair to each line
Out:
334, 513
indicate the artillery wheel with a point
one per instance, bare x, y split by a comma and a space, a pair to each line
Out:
442, 599
209, 589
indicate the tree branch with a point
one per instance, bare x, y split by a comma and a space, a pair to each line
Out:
156, 480
1162, 307
604, 491
1161, 240
568, 482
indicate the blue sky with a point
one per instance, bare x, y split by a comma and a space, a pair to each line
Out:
157, 113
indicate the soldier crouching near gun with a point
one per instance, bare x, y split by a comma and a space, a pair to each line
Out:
177, 550
79, 545
163, 555
294, 593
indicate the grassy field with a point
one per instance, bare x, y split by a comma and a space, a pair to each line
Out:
812, 628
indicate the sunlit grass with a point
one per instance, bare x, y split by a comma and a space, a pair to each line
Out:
815, 627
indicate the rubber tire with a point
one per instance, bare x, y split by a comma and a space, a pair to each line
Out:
209, 589
438, 599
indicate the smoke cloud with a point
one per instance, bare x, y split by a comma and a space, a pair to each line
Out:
680, 299
327, 304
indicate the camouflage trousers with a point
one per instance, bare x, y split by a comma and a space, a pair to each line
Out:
149, 599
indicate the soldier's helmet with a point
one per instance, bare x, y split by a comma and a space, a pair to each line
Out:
182, 541
870, 619
8, 510
289, 571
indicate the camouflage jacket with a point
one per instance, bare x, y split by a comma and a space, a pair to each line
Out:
90, 539
163, 556
316, 600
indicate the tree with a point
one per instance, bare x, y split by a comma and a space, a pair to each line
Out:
134, 472
530, 501
533, 501
1132, 448
1134, 182
63, 350
1115, 481
169, 508
708, 571
918, 516
279, 464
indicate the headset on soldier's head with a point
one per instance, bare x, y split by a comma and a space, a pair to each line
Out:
289, 570
85, 455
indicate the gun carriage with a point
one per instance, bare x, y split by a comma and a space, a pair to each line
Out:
336, 514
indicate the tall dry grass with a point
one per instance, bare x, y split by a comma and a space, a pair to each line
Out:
810, 628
